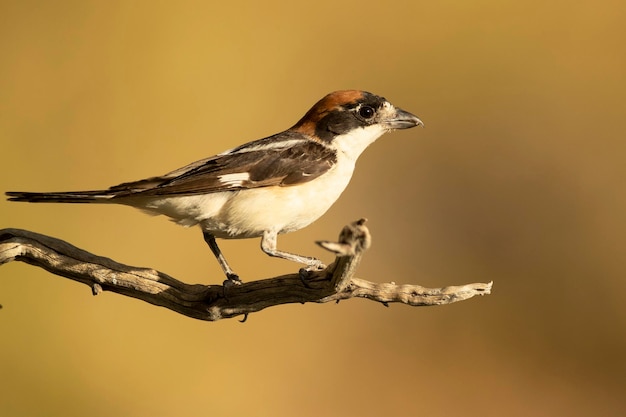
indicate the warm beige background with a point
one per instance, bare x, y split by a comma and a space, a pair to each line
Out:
518, 177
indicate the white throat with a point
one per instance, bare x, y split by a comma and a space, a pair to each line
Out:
354, 143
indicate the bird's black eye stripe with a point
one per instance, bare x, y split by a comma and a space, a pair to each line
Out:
366, 112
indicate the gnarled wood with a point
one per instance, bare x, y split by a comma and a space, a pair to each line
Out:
214, 302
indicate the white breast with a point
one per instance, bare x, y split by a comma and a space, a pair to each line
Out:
249, 213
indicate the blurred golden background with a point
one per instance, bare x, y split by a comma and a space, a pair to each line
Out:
518, 178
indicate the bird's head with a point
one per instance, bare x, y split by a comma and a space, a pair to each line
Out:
350, 120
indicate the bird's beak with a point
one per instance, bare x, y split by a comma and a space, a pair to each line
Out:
402, 120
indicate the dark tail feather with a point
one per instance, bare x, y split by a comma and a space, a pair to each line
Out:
67, 197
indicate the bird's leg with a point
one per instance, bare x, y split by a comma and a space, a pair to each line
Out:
268, 245
230, 274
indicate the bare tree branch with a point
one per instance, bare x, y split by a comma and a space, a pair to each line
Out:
214, 302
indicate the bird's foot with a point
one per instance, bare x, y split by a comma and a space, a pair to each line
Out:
232, 280
307, 272
304, 275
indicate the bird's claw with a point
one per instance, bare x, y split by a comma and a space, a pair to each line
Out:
307, 272
304, 275
232, 280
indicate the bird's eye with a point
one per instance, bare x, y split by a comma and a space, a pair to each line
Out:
366, 112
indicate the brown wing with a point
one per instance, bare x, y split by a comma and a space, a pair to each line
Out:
280, 160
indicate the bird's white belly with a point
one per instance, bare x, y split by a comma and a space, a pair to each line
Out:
250, 212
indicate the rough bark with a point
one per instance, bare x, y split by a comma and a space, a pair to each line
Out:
214, 302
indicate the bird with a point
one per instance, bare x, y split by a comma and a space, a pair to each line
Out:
263, 188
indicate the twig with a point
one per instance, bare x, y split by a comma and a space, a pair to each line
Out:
214, 302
